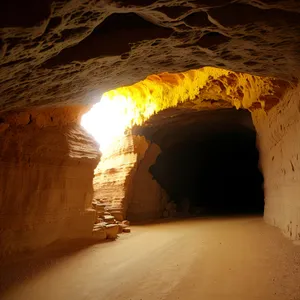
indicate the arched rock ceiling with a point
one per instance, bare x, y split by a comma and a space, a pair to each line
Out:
176, 125
207, 87
55, 51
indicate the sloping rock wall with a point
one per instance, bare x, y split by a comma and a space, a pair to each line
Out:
278, 142
123, 182
148, 198
113, 175
46, 170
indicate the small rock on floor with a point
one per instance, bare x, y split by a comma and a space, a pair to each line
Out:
112, 231
126, 229
99, 233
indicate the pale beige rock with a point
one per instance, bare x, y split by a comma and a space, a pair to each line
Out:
123, 181
109, 219
112, 231
99, 233
46, 178
118, 215
113, 175
99, 226
278, 144
147, 200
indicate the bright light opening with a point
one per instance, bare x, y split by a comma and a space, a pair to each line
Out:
108, 119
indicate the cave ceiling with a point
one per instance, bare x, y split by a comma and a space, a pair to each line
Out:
70, 52
175, 125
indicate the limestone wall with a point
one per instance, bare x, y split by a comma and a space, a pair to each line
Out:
46, 171
123, 181
147, 201
279, 145
113, 175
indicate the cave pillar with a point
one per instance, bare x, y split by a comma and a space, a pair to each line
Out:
46, 178
278, 135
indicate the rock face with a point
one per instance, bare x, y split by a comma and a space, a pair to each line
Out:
198, 88
47, 162
278, 143
72, 51
148, 198
113, 175
122, 179
175, 125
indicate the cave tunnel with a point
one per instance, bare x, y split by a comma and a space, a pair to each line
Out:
209, 165
120, 112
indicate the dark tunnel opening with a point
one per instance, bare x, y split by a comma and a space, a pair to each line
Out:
215, 172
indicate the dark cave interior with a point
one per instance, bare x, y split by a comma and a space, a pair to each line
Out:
215, 167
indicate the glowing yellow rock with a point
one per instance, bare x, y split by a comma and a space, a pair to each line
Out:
123, 107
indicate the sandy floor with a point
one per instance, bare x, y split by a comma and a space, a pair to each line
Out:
238, 258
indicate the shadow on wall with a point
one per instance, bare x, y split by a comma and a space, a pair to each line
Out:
218, 174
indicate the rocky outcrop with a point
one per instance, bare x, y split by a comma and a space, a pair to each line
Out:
46, 170
123, 181
72, 51
106, 224
113, 175
278, 143
148, 199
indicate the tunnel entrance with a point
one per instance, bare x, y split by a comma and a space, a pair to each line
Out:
133, 124
212, 165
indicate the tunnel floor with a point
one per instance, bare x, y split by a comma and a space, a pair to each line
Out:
219, 258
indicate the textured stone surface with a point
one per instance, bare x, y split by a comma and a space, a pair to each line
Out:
278, 143
147, 195
99, 233
112, 231
113, 175
46, 180
175, 125
71, 51
204, 88
123, 182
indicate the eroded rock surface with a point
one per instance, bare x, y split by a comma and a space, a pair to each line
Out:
72, 51
122, 180
278, 136
46, 171
113, 175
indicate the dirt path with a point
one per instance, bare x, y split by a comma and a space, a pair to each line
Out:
209, 259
